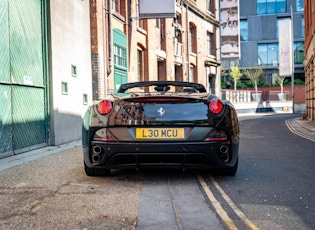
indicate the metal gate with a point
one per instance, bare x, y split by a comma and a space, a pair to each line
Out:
23, 114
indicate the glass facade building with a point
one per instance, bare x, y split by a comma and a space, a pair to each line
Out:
259, 37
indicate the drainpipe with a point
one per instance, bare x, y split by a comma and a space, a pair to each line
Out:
188, 42
103, 91
109, 42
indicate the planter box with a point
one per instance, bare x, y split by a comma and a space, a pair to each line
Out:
282, 96
256, 96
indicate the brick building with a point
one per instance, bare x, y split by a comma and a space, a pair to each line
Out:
126, 48
309, 62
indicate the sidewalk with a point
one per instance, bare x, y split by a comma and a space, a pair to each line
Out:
302, 127
22, 158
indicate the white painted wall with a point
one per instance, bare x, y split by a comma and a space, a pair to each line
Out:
69, 35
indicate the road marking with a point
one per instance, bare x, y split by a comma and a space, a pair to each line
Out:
217, 206
233, 206
293, 130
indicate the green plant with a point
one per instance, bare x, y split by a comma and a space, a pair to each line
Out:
253, 74
236, 74
299, 82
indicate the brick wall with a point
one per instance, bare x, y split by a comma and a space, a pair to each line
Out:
299, 91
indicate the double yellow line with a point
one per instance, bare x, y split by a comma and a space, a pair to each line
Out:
218, 208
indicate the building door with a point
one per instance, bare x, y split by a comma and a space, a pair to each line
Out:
23, 114
120, 59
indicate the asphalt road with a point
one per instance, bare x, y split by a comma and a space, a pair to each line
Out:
273, 189
275, 184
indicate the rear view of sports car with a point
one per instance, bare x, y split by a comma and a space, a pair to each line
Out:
162, 124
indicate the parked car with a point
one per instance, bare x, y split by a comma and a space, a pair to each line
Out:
165, 124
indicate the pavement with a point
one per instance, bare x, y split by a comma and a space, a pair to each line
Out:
302, 127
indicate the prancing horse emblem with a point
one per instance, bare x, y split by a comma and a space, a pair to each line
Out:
161, 111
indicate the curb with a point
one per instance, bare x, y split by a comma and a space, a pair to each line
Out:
22, 158
302, 128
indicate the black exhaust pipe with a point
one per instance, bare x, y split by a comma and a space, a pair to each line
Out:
224, 150
96, 156
97, 149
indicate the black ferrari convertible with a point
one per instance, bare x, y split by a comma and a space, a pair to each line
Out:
166, 124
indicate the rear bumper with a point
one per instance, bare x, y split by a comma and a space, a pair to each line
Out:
205, 155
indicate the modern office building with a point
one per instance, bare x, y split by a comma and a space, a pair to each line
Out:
259, 38
309, 59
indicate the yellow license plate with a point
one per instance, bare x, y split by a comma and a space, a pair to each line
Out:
160, 133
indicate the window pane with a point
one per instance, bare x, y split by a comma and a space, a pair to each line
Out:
208, 43
191, 74
244, 30
273, 54
281, 6
262, 54
268, 54
303, 27
261, 7
208, 7
298, 52
271, 6
299, 5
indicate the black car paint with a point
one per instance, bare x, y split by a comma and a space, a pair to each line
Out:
129, 152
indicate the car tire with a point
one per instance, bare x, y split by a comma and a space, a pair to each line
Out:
227, 171
96, 171
231, 171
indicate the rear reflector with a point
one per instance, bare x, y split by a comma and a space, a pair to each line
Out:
217, 135
216, 106
105, 107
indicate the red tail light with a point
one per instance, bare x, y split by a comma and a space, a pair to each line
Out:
105, 107
216, 106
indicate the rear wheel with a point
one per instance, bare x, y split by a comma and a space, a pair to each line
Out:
228, 171
232, 171
96, 171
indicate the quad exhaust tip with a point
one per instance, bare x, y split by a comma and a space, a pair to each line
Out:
225, 157
96, 156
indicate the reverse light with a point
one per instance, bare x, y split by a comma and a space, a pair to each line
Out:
105, 107
216, 106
